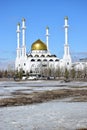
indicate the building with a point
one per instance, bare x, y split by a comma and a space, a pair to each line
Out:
40, 60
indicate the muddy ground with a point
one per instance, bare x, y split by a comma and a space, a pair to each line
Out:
21, 98
23, 94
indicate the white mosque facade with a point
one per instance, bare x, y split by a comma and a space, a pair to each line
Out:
40, 59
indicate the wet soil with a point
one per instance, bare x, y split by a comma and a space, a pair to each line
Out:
22, 98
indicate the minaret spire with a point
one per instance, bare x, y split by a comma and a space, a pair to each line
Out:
23, 38
66, 56
66, 30
18, 41
47, 38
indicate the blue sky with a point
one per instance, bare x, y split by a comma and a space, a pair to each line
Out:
38, 15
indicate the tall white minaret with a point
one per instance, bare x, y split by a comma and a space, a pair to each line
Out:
23, 38
18, 41
47, 38
66, 56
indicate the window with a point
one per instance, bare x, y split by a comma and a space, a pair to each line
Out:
45, 60
42, 55
44, 65
30, 56
32, 60
36, 55
38, 60
53, 55
48, 56
50, 60
23, 71
56, 60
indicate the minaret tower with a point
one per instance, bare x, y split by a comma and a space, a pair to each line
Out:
23, 38
18, 41
66, 57
47, 38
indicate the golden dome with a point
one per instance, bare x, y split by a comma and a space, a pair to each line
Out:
38, 45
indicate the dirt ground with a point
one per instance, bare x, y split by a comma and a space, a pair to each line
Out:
21, 98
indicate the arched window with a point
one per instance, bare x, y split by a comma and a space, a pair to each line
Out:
39, 60
30, 55
36, 55
42, 55
56, 60
50, 60
48, 56
32, 60
53, 55
45, 60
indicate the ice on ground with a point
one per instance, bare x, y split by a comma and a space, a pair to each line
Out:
46, 116
8, 87
52, 115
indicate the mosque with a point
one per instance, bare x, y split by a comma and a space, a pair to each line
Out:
39, 60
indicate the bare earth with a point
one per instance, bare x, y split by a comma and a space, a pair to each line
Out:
78, 94
32, 92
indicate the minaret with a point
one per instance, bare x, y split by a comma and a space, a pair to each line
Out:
66, 56
23, 38
18, 41
47, 38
